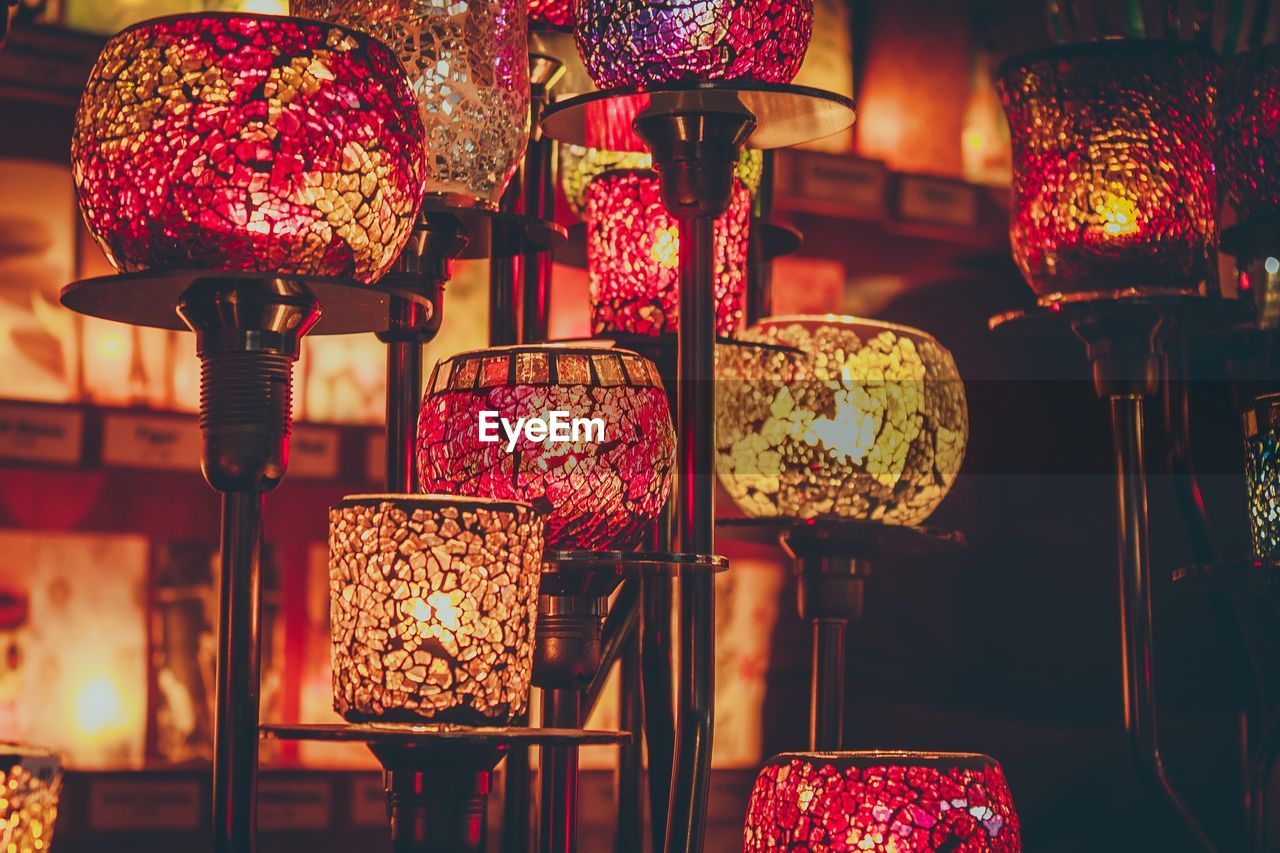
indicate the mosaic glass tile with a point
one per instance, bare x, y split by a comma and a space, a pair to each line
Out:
1249, 120
30, 787
1262, 474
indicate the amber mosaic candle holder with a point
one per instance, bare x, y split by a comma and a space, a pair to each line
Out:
867, 420
1113, 178
433, 603
468, 65
601, 487
909, 802
30, 787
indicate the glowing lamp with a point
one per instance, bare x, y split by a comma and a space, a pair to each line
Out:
633, 257
870, 423
583, 434
468, 64
639, 43
248, 143
1249, 117
551, 13
1113, 176
433, 602
1262, 474
30, 785
882, 802
580, 166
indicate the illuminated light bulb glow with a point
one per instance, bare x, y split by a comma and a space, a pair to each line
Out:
432, 608
1113, 184
99, 707
282, 146
633, 255
859, 419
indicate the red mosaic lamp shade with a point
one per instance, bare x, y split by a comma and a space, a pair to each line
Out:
642, 43
1249, 126
882, 802
601, 486
1113, 177
248, 143
633, 257
551, 13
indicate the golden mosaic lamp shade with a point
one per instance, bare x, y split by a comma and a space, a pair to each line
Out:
432, 603
468, 64
868, 420
30, 785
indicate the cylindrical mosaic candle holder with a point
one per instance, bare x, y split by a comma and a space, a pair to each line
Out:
641, 43
583, 434
1113, 168
1249, 132
633, 257
870, 423
30, 786
468, 64
248, 143
1262, 474
906, 802
433, 601
579, 166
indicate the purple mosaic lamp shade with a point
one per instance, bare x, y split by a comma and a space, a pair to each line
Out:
644, 43
1113, 168
248, 143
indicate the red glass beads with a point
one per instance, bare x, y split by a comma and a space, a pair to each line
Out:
244, 142
551, 13
879, 802
1249, 116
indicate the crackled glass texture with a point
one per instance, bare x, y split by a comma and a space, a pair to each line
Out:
580, 166
241, 142
1262, 474
882, 802
30, 787
633, 257
432, 608
601, 485
1113, 168
551, 13
1249, 125
468, 64
639, 42
852, 418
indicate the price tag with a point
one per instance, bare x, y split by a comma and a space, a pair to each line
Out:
368, 801
148, 441
41, 434
294, 804
939, 201
117, 805
835, 185
314, 452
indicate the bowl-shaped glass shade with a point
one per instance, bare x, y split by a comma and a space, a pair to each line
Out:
468, 64
633, 257
30, 788
580, 166
882, 802
1249, 132
551, 13
243, 142
582, 434
642, 43
870, 423
1113, 175
1262, 474
432, 608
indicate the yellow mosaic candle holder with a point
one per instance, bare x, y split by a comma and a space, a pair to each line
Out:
30, 785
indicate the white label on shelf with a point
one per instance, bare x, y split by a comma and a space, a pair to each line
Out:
368, 801
294, 804
313, 452
147, 441
119, 805
40, 434
943, 202
840, 184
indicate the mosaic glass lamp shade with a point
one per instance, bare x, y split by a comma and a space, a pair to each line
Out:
641, 43
30, 787
551, 13
432, 608
468, 64
1249, 126
244, 142
580, 166
1262, 474
1113, 175
871, 422
882, 802
633, 257
601, 486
